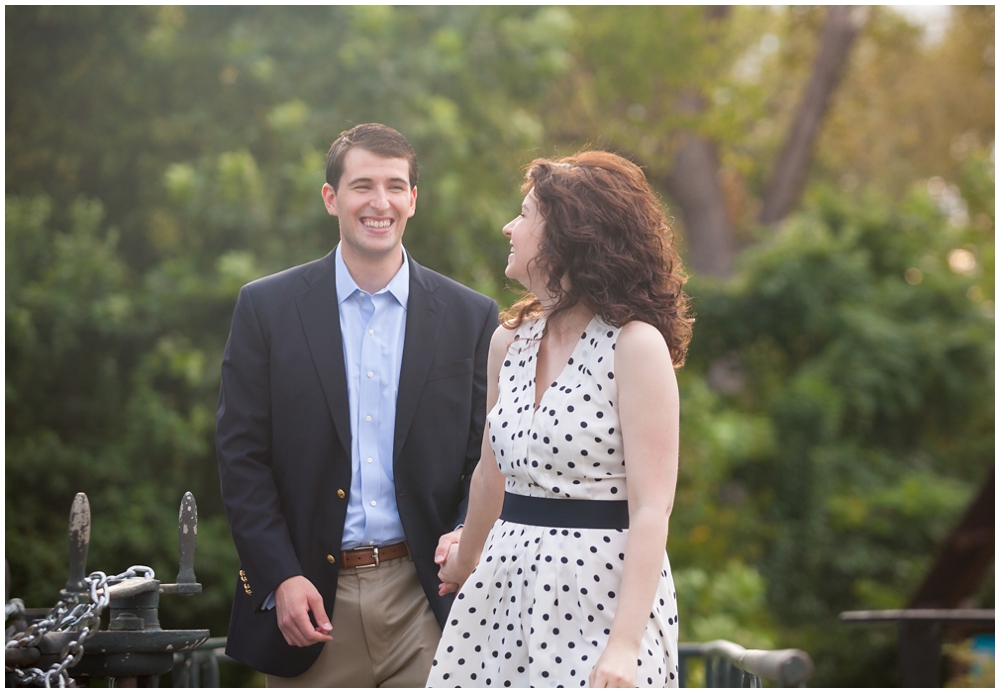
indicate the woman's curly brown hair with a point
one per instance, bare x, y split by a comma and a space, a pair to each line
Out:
606, 233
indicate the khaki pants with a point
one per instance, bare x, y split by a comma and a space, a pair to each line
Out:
384, 632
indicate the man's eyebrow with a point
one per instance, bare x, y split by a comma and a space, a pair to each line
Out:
363, 179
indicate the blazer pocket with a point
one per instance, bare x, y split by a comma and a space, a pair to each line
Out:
449, 370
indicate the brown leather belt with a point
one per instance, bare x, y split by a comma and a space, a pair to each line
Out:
372, 555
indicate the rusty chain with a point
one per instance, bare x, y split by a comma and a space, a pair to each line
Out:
73, 613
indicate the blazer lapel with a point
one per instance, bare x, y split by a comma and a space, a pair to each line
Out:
320, 315
424, 316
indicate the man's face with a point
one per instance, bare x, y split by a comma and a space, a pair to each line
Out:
373, 200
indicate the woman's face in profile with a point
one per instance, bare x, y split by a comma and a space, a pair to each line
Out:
525, 232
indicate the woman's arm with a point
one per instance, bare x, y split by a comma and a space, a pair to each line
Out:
486, 493
649, 410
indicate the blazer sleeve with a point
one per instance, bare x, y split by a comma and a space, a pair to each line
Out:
244, 452
478, 419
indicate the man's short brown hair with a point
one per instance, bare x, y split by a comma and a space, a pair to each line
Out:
374, 137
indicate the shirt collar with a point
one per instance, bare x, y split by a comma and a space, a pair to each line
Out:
398, 286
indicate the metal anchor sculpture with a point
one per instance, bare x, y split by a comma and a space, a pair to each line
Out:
134, 648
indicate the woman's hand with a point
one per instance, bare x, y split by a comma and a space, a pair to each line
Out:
616, 668
446, 549
453, 573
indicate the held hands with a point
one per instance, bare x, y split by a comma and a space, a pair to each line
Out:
616, 668
446, 556
296, 598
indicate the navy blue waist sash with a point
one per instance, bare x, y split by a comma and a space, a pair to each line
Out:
570, 513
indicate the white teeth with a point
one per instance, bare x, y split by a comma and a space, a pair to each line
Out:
378, 224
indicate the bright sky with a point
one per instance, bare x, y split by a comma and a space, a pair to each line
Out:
934, 18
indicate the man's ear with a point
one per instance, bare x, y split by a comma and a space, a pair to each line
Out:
330, 199
413, 202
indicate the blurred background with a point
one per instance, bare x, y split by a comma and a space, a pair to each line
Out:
829, 174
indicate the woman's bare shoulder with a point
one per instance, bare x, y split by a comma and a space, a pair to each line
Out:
639, 335
641, 345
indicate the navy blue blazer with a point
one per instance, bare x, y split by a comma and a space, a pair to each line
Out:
283, 439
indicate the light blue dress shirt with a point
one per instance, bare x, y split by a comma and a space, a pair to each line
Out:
372, 327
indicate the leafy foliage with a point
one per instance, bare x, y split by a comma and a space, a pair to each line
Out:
838, 400
185, 159
851, 421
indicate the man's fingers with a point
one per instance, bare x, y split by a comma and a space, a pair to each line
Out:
447, 588
291, 628
295, 599
299, 630
319, 614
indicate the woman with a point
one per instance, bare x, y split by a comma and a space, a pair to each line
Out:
574, 586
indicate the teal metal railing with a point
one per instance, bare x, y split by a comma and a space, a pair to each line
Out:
725, 665
728, 665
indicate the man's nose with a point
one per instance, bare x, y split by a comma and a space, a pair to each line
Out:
379, 200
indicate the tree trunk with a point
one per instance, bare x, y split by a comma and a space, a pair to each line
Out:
789, 175
693, 183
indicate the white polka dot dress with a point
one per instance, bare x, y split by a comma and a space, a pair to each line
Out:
537, 610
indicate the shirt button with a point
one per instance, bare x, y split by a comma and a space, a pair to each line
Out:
371, 331
370, 374
373, 504
369, 460
331, 559
368, 418
340, 493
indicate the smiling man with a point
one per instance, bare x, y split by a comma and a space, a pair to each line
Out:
350, 420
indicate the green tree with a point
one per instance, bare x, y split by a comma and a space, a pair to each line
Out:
847, 418
910, 110
158, 159
688, 91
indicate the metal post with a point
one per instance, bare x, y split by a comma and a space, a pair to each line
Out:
920, 654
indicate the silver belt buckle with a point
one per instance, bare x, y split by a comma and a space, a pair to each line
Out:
374, 551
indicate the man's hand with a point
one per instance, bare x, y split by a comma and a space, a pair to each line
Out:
296, 598
447, 549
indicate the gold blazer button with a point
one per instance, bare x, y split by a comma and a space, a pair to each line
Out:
340, 493
331, 559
